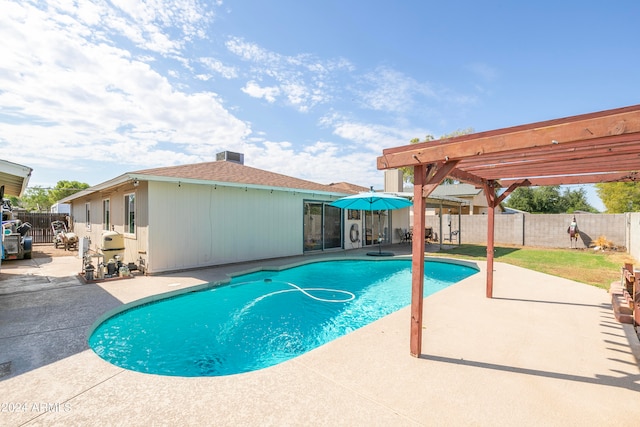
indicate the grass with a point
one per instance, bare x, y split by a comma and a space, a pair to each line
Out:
597, 268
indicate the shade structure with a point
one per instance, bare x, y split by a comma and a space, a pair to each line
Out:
372, 201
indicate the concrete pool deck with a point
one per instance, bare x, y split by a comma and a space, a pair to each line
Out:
543, 351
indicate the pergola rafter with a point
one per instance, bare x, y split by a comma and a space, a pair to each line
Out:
589, 148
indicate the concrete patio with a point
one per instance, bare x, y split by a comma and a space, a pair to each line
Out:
543, 351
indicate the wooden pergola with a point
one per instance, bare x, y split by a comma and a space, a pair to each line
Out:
584, 149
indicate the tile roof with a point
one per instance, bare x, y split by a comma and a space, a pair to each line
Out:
231, 172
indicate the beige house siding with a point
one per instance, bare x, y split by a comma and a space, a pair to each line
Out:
134, 243
205, 214
213, 225
196, 225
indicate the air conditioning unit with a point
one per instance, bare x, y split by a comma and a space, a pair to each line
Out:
230, 156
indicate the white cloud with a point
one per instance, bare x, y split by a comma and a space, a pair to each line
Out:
301, 81
386, 89
217, 66
254, 90
102, 86
323, 162
372, 137
72, 97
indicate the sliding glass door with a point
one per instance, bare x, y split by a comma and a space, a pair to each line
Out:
376, 225
322, 226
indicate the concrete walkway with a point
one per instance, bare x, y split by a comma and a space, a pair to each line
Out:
543, 351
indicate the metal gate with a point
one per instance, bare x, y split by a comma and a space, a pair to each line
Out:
41, 231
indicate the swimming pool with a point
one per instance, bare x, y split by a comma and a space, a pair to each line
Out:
261, 319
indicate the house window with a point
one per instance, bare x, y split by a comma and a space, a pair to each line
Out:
130, 213
87, 215
106, 215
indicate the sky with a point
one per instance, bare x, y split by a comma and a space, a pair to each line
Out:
313, 89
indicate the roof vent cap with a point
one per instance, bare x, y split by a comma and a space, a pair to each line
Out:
230, 156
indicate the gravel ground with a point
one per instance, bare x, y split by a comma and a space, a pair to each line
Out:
47, 250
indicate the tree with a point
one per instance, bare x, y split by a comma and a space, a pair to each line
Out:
36, 199
548, 200
65, 189
521, 198
575, 200
41, 199
619, 197
407, 171
15, 201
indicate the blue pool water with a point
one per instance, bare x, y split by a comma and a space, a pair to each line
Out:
261, 319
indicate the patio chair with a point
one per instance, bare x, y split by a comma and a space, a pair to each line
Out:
403, 235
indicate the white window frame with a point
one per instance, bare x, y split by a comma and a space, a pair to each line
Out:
87, 215
106, 214
127, 225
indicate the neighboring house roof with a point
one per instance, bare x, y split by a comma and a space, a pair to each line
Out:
219, 172
508, 210
456, 190
14, 178
349, 188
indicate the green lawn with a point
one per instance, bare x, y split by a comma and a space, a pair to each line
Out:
596, 268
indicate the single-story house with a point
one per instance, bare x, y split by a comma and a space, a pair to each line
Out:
198, 215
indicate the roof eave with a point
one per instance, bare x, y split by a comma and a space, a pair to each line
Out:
130, 177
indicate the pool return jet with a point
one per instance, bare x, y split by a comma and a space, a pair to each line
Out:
372, 201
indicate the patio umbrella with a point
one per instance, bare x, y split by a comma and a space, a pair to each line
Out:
372, 201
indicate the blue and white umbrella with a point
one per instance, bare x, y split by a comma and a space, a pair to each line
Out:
372, 201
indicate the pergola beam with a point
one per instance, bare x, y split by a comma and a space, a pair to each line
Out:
578, 179
616, 144
543, 134
590, 165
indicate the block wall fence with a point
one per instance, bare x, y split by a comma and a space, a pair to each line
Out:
542, 230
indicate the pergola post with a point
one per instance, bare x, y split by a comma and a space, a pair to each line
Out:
490, 194
417, 260
490, 249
